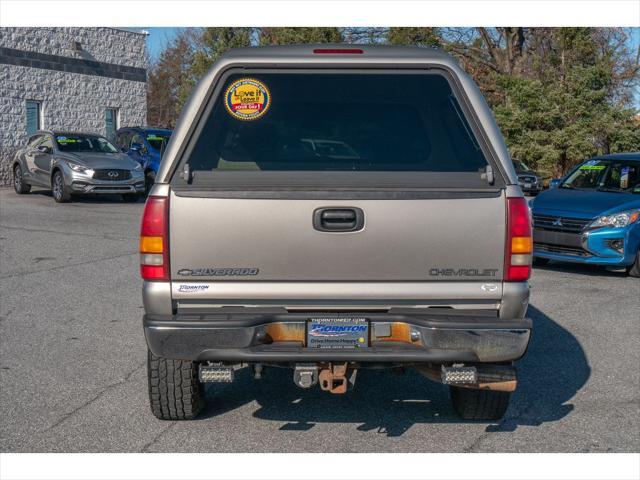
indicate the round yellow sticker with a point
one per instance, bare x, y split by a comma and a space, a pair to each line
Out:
247, 99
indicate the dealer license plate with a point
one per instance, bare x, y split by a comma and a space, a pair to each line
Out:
337, 333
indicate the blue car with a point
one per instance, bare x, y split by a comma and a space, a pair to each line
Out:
145, 145
592, 216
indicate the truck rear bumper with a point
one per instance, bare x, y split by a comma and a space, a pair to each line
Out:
281, 338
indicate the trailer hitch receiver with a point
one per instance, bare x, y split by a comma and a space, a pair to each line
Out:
333, 377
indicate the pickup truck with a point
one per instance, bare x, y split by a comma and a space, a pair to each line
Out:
330, 208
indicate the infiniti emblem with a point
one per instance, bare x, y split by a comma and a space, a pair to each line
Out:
557, 222
113, 174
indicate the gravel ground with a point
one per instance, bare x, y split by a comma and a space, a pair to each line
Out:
73, 361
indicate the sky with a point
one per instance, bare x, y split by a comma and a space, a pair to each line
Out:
158, 39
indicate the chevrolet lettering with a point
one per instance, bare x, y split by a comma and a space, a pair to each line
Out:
463, 272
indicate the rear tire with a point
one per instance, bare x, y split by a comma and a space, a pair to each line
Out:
174, 390
18, 181
60, 191
130, 197
634, 269
472, 404
539, 262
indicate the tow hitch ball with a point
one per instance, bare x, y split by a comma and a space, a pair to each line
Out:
333, 377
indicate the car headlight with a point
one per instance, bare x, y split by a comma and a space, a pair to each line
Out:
137, 167
616, 220
76, 167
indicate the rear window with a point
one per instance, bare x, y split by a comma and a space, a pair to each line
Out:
337, 122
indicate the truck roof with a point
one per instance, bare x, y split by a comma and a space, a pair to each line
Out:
336, 51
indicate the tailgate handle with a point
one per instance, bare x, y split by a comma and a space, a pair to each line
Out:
338, 219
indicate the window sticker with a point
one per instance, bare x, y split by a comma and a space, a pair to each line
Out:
592, 165
63, 140
624, 178
247, 99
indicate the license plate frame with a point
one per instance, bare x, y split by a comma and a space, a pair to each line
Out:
337, 333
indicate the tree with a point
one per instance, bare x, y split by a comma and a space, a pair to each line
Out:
209, 44
559, 95
165, 82
417, 36
365, 35
299, 35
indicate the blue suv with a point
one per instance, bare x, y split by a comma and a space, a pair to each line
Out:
592, 216
145, 145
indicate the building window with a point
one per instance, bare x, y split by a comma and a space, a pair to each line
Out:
33, 116
111, 122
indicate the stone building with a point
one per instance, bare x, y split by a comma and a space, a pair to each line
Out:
80, 79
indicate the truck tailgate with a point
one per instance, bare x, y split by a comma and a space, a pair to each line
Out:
454, 239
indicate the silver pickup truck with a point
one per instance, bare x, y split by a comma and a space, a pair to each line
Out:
332, 208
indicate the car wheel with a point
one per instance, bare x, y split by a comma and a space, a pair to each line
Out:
130, 197
149, 180
471, 404
60, 192
175, 393
539, 262
634, 269
18, 182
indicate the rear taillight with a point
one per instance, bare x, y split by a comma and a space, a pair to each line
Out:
519, 243
154, 240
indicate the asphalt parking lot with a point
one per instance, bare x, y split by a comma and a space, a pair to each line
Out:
73, 361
